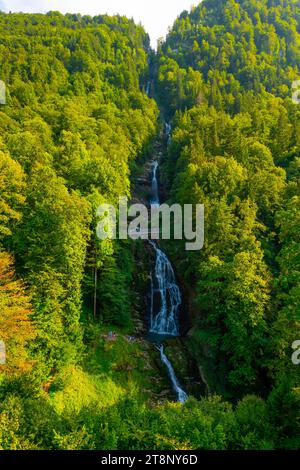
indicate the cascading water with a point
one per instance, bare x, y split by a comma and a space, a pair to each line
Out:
154, 185
181, 395
168, 132
165, 322
148, 87
165, 297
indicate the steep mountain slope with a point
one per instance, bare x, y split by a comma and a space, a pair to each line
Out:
225, 77
77, 125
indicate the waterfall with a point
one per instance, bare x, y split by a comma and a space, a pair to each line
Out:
154, 185
168, 132
165, 295
148, 87
181, 395
165, 322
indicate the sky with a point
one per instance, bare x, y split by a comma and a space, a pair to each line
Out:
155, 15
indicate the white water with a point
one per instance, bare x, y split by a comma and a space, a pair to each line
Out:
148, 87
181, 395
154, 185
168, 129
165, 296
168, 132
164, 286
164, 321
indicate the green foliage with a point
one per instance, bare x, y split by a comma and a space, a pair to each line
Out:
75, 127
235, 148
12, 184
237, 47
74, 122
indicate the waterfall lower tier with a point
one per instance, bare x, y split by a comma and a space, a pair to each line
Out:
181, 395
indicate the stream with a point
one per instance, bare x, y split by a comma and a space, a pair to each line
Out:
165, 297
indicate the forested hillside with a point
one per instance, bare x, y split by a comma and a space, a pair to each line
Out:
74, 123
225, 77
75, 130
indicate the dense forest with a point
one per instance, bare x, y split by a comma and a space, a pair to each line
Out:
75, 130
